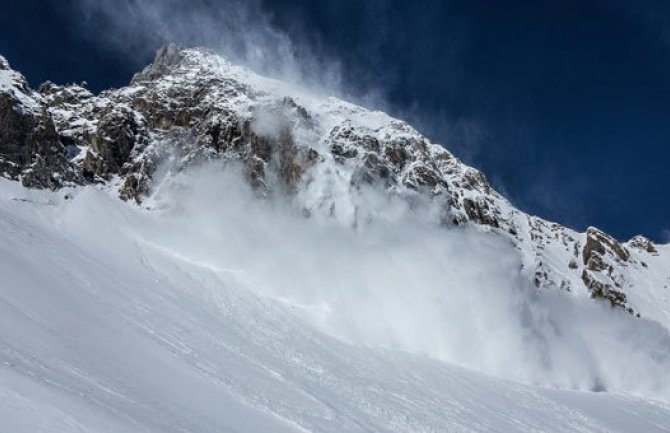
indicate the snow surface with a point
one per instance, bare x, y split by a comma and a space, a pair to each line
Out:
213, 311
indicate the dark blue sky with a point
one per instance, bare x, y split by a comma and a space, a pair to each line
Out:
565, 105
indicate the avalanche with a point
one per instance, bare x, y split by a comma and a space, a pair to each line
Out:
286, 261
210, 310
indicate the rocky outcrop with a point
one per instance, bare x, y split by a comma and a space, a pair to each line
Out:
602, 290
30, 149
479, 211
119, 132
603, 257
643, 244
599, 243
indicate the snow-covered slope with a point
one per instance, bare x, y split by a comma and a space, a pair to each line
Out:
283, 260
113, 330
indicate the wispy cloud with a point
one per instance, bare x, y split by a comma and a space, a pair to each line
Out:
246, 33
238, 29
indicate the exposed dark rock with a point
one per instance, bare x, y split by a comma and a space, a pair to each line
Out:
474, 179
30, 148
343, 152
426, 176
600, 290
376, 167
311, 157
397, 155
479, 212
290, 170
118, 132
599, 242
643, 244
596, 263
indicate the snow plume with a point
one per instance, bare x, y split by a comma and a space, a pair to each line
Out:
399, 280
243, 31
238, 29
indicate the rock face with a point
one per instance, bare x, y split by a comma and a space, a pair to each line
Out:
191, 106
30, 149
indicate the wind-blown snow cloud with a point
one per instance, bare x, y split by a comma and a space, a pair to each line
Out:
246, 34
398, 279
238, 29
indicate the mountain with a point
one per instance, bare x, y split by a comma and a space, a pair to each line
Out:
343, 212
191, 105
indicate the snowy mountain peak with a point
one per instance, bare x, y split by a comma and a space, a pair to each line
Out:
4, 64
192, 105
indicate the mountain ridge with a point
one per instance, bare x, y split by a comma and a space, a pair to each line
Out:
191, 105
